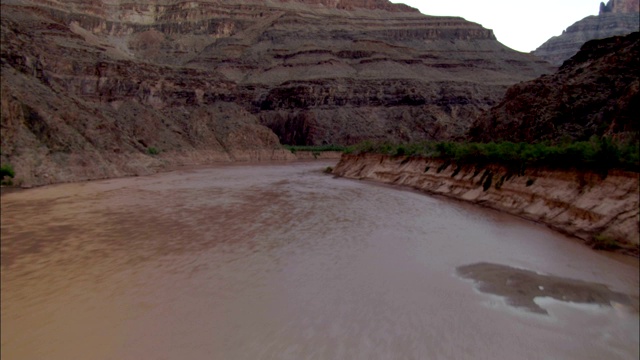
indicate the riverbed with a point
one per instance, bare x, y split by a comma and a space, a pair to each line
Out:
283, 261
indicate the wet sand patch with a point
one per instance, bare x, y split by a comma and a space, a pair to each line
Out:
520, 287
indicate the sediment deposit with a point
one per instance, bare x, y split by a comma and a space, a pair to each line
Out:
598, 209
521, 287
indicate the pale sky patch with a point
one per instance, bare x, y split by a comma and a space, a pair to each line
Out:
520, 25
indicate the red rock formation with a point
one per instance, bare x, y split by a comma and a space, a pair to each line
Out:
617, 17
596, 92
99, 82
620, 6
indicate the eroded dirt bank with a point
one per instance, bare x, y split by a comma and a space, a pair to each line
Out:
601, 211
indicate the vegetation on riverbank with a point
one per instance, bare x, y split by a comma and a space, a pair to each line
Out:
598, 154
152, 151
6, 174
316, 148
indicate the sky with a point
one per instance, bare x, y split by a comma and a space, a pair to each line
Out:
520, 25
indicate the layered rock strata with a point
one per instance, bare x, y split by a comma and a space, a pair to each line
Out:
600, 211
619, 6
617, 17
596, 92
90, 87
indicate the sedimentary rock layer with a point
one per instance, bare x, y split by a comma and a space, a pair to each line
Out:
619, 6
581, 204
102, 82
597, 92
617, 17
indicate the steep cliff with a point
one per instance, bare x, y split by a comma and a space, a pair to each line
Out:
603, 212
89, 88
596, 92
617, 17
619, 6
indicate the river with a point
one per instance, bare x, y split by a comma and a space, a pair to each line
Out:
282, 261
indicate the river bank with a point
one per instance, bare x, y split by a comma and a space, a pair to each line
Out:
77, 169
281, 261
601, 210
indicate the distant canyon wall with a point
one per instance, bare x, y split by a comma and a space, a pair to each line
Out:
620, 6
581, 204
616, 18
595, 93
89, 87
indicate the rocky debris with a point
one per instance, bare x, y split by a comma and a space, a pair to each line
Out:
89, 87
603, 212
596, 92
617, 17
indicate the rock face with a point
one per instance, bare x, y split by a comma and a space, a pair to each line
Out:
617, 17
620, 6
597, 92
579, 204
89, 88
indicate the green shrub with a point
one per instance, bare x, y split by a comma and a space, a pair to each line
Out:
6, 174
316, 149
597, 154
7, 171
152, 151
604, 242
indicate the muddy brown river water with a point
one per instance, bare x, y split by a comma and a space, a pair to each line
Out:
282, 261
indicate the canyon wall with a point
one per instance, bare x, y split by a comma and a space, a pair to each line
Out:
619, 6
617, 17
596, 92
602, 210
94, 89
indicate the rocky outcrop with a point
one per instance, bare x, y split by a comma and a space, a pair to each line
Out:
600, 211
619, 6
597, 92
617, 17
51, 137
89, 87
